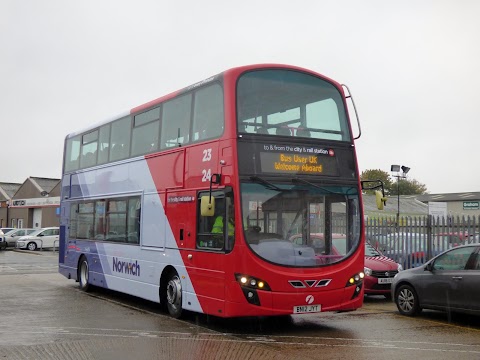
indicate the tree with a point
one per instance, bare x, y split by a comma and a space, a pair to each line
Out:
409, 187
377, 174
404, 186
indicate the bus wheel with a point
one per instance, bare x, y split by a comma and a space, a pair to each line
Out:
174, 295
83, 274
32, 246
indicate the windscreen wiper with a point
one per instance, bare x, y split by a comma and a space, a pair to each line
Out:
298, 180
267, 184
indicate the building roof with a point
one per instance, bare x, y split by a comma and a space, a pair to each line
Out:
409, 206
44, 184
414, 205
7, 190
449, 197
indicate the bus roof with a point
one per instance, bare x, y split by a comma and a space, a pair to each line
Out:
235, 71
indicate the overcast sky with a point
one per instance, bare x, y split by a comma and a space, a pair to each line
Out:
412, 67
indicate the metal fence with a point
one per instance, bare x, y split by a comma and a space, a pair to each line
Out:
412, 241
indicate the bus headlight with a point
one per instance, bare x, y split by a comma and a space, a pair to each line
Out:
357, 281
249, 286
252, 282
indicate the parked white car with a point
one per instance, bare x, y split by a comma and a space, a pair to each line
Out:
12, 236
42, 238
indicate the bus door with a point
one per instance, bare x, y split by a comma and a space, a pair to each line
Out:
214, 239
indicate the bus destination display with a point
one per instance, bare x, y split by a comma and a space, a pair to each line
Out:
297, 160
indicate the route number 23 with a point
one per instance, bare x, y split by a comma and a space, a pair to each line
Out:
207, 155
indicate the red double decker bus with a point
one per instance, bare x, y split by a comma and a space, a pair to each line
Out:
205, 199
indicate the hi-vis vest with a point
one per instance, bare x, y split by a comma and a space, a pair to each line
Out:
218, 226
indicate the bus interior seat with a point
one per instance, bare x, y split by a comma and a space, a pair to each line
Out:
303, 132
206, 224
284, 131
153, 147
90, 159
262, 130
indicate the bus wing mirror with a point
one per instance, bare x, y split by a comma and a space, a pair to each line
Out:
207, 205
380, 199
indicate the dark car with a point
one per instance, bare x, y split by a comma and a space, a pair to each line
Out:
448, 282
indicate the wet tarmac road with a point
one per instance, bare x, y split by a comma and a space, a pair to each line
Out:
46, 316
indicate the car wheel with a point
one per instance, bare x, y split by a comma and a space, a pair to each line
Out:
32, 246
83, 275
407, 302
174, 295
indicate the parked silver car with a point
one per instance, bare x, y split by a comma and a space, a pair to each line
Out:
12, 236
3, 243
3, 231
6, 230
448, 282
40, 238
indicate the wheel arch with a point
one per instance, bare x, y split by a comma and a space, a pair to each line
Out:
80, 257
400, 284
409, 303
162, 293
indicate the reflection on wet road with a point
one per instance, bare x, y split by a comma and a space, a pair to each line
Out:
28, 262
45, 316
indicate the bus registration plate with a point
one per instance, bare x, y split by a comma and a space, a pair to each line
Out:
304, 309
385, 280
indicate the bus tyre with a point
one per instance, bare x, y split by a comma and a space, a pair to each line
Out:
32, 246
83, 274
407, 302
174, 295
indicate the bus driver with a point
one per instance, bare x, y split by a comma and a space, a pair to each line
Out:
218, 224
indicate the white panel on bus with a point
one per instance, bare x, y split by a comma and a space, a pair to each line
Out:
153, 227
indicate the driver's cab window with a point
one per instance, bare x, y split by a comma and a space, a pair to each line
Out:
216, 230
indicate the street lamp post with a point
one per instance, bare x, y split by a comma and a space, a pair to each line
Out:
405, 170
